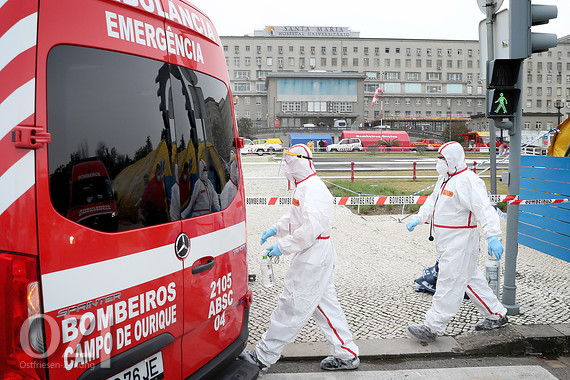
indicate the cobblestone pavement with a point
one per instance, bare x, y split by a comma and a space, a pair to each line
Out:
378, 260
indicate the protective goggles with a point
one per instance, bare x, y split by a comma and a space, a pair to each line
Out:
296, 155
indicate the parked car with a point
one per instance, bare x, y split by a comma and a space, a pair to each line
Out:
262, 146
427, 144
346, 145
247, 146
339, 124
309, 125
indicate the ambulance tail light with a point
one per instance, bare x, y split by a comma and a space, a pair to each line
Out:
19, 287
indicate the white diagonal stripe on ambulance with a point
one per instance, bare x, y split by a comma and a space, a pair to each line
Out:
18, 39
216, 243
17, 180
18, 106
76, 285
73, 286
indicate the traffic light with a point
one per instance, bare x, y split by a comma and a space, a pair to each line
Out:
523, 15
503, 94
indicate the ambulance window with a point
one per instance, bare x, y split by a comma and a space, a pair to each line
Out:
113, 144
205, 132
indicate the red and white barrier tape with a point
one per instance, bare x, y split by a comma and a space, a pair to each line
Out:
398, 200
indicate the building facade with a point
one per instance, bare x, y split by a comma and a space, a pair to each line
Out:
291, 76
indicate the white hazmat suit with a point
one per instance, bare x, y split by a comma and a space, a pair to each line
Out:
456, 207
230, 189
204, 198
309, 283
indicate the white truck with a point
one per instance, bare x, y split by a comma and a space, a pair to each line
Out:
346, 145
262, 146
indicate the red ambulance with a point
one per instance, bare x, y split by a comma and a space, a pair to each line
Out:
135, 92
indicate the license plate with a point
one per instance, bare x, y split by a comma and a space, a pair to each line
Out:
149, 369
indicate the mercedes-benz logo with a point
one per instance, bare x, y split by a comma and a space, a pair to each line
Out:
182, 246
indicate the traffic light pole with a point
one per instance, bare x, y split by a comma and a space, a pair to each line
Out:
492, 133
511, 244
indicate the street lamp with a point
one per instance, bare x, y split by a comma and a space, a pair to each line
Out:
449, 108
558, 104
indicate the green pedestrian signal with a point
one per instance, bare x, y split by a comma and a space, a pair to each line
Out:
502, 102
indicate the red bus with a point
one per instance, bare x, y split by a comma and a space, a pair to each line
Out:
373, 137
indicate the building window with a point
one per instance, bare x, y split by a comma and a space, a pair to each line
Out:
312, 50
258, 49
247, 48
323, 61
291, 49
258, 100
269, 48
334, 62
280, 62
365, 51
527, 125
439, 52
433, 76
323, 50
269, 61
455, 77
345, 61
413, 76
236, 61
408, 51
258, 61
241, 86
387, 62
407, 101
236, 49
344, 50
291, 61
247, 61
392, 75
433, 89
418, 63
334, 50
280, 49
366, 62
225, 48
538, 125
354, 61
242, 74
387, 50
397, 62
301, 50
418, 51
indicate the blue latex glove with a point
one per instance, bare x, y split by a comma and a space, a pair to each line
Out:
273, 250
494, 247
268, 233
412, 224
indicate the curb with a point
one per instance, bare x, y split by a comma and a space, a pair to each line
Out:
547, 340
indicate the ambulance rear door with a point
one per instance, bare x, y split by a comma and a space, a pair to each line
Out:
112, 293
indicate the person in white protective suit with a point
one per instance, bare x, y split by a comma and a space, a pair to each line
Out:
309, 289
231, 187
457, 205
204, 198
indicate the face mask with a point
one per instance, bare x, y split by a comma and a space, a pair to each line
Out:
441, 167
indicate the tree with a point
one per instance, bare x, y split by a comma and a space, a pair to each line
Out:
244, 127
457, 127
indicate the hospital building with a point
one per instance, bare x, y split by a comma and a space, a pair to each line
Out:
288, 76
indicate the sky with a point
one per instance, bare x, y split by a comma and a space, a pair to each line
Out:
422, 19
